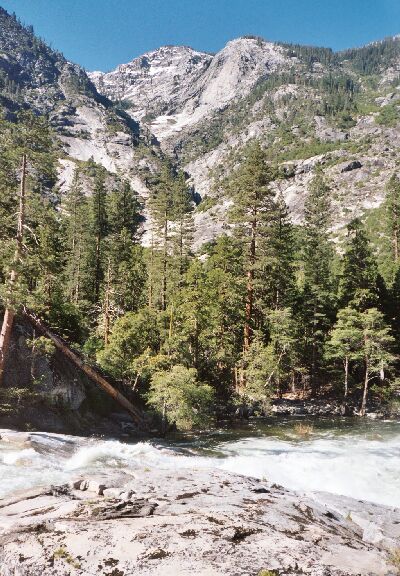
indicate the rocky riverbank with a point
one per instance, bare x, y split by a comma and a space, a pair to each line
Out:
331, 407
192, 521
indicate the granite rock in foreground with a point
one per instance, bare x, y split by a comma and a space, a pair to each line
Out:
191, 522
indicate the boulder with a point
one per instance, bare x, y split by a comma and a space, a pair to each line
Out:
354, 165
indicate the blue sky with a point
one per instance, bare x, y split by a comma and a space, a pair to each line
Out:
99, 34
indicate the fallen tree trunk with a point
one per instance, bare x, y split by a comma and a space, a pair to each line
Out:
91, 372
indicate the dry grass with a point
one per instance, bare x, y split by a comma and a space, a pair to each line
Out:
304, 430
63, 554
394, 559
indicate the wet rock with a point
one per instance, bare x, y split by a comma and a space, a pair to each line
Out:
84, 485
76, 483
20, 439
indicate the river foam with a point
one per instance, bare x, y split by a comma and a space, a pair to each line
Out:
363, 465
356, 467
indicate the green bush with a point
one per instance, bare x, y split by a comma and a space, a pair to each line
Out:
181, 398
388, 115
132, 335
206, 204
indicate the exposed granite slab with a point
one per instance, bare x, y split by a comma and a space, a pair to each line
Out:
194, 521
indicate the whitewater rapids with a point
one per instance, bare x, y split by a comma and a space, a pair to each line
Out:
363, 463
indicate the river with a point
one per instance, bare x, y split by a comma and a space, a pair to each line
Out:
352, 457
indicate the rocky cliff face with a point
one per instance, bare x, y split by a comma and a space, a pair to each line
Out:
311, 106
48, 392
88, 125
157, 83
175, 87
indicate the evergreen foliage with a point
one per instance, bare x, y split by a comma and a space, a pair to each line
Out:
317, 301
372, 58
180, 398
270, 309
358, 281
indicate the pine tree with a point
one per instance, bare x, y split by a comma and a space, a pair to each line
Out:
76, 237
317, 249
376, 349
10, 164
316, 305
44, 263
358, 282
189, 320
345, 341
161, 210
393, 214
253, 213
182, 233
276, 283
283, 348
222, 337
124, 253
9, 312
99, 229
395, 305
28, 144
124, 210
260, 368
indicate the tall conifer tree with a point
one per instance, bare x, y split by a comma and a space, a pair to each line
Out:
253, 214
317, 301
393, 214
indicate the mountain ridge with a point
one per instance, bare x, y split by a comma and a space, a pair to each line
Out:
192, 82
88, 125
316, 108
307, 106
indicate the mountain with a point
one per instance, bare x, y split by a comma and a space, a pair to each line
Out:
175, 87
198, 329
308, 106
88, 125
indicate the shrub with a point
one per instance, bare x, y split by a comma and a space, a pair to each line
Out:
388, 115
63, 554
131, 336
206, 204
181, 398
394, 559
304, 430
